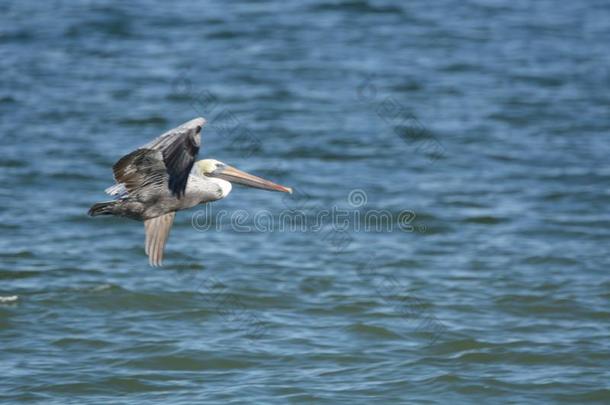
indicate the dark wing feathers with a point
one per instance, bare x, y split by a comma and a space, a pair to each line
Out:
140, 169
164, 162
179, 157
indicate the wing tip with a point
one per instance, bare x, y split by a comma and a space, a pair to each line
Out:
199, 121
196, 123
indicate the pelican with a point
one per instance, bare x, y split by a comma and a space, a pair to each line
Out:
162, 177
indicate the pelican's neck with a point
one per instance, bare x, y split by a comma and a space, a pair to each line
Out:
225, 186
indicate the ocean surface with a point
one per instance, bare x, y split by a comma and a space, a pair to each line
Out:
447, 241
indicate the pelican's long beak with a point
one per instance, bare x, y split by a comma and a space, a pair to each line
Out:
234, 175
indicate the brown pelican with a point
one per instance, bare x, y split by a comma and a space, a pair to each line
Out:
162, 177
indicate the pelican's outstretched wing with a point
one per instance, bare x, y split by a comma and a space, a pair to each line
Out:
164, 162
179, 147
157, 231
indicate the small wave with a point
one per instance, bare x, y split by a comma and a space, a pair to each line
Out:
139, 121
186, 362
227, 34
12, 163
485, 220
104, 287
8, 299
358, 6
22, 254
373, 331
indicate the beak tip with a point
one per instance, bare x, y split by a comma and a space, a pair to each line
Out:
289, 190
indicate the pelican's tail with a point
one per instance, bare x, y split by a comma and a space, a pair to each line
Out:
102, 208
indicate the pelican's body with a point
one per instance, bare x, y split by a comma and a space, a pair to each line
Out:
199, 189
162, 177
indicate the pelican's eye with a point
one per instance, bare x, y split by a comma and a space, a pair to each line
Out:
218, 167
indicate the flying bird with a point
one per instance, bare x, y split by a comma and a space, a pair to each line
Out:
162, 177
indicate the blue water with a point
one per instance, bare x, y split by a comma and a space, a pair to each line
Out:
479, 129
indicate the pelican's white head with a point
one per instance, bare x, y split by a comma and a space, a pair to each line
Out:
217, 170
206, 167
